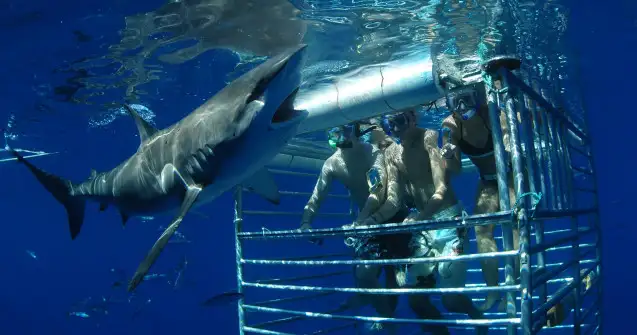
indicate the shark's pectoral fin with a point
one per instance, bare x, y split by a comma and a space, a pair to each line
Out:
263, 184
192, 192
146, 130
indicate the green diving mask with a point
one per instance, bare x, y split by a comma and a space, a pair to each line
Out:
340, 137
373, 180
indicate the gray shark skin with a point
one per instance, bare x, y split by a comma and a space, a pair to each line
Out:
223, 143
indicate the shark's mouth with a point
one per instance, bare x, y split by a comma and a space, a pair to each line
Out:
286, 112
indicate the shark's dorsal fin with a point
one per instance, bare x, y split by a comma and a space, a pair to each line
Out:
146, 130
93, 174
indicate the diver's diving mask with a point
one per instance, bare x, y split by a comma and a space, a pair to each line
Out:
373, 179
463, 102
397, 123
365, 135
340, 137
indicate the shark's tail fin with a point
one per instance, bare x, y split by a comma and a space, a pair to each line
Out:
61, 190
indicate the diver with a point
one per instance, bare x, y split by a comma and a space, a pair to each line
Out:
467, 131
414, 167
390, 246
349, 165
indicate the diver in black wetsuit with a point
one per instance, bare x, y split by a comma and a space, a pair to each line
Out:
467, 131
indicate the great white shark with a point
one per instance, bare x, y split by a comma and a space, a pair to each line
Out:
225, 142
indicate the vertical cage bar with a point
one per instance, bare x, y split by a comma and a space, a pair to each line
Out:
530, 138
556, 188
538, 164
238, 227
562, 138
572, 204
559, 152
596, 224
526, 300
505, 201
548, 179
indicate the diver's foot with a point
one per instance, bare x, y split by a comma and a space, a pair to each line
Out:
555, 316
492, 298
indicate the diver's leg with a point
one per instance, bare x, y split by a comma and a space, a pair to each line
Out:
367, 277
516, 231
420, 303
390, 282
454, 275
487, 202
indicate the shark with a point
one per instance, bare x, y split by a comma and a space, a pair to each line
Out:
223, 143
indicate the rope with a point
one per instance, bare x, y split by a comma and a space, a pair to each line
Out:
518, 204
264, 230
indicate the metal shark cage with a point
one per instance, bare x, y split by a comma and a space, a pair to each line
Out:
555, 210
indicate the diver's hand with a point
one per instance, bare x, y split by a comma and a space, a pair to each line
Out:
448, 151
305, 226
349, 225
410, 218
313, 240
369, 222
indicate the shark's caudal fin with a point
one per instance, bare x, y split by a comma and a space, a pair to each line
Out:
61, 190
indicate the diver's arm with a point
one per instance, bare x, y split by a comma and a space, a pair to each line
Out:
438, 176
394, 199
505, 131
321, 190
452, 162
378, 195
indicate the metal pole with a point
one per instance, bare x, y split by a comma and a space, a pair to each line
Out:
520, 187
548, 179
570, 203
535, 157
597, 226
503, 190
530, 139
555, 188
238, 226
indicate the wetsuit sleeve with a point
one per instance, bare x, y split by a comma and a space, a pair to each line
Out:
453, 164
377, 197
438, 175
321, 190
394, 199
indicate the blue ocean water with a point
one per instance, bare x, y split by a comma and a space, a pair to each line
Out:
45, 276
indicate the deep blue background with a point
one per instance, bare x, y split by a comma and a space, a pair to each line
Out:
35, 295
604, 37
